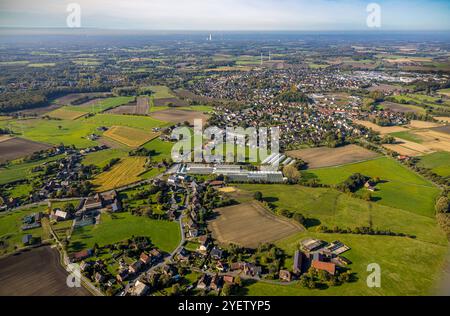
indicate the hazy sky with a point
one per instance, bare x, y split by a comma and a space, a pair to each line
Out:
229, 14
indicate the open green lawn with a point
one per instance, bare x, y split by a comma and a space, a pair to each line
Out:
331, 208
20, 191
161, 92
102, 105
438, 162
401, 188
102, 158
76, 132
408, 266
164, 234
162, 149
408, 136
19, 171
10, 231
54, 132
108, 120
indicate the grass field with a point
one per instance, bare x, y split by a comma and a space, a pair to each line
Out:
102, 158
10, 231
66, 113
402, 188
54, 132
162, 149
129, 136
408, 266
329, 207
143, 122
161, 92
408, 136
438, 162
18, 171
164, 234
127, 171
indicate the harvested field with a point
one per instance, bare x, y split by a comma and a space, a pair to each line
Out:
396, 107
141, 107
381, 129
41, 110
35, 273
73, 97
385, 88
408, 148
178, 116
227, 190
232, 225
131, 137
423, 124
431, 140
123, 109
127, 171
443, 118
442, 129
328, 157
65, 114
14, 148
175, 102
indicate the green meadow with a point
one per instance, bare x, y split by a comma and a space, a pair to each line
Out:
161, 92
408, 136
408, 266
400, 187
117, 227
10, 231
438, 162
18, 171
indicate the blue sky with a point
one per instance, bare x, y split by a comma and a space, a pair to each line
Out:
229, 14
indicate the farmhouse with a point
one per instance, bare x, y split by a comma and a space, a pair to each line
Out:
324, 266
298, 259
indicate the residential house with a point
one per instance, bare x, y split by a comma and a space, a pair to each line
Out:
122, 276
135, 267
298, 260
228, 279
27, 239
216, 283
203, 283
216, 253
285, 275
145, 259
139, 289
324, 266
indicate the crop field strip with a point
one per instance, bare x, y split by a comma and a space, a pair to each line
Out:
66, 114
127, 171
129, 136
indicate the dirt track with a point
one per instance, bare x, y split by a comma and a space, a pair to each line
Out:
35, 273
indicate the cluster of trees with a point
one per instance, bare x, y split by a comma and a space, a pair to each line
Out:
362, 230
5, 131
22, 100
142, 152
293, 95
443, 211
413, 163
353, 183
315, 279
110, 164
298, 217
